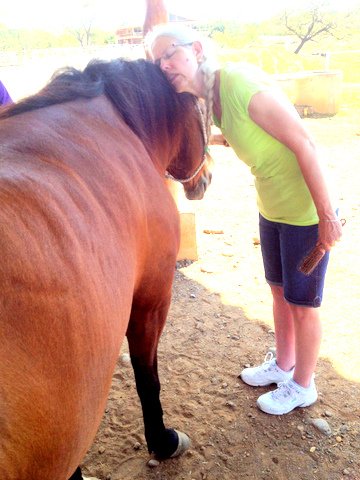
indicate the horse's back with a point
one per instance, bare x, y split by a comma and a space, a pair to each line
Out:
82, 219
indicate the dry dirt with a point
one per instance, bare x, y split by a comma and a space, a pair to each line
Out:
220, 320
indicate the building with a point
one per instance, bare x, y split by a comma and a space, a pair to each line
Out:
134, 35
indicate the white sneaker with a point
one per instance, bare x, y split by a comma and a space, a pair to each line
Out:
266, 373
286, 397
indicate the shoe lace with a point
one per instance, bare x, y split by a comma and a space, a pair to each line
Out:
268, 357
282, 392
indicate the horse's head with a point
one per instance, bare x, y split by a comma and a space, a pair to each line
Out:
169, 124
192, 164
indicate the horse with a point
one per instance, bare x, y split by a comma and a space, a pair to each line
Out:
89, 234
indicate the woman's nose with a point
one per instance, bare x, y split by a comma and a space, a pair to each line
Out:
164, 64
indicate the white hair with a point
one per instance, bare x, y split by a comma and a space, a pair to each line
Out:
207, 65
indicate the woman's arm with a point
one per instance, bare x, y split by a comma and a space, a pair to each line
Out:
275, 114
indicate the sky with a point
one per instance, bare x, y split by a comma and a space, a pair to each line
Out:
55, 15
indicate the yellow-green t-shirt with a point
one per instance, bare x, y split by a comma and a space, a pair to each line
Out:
282, 194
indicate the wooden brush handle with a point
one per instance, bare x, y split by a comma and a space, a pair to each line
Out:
312, 260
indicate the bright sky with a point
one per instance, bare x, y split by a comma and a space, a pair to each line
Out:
109, 14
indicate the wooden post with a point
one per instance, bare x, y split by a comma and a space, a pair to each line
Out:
188, 243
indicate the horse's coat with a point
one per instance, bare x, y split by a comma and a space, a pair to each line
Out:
88, 241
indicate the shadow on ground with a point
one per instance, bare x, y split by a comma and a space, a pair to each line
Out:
204, 347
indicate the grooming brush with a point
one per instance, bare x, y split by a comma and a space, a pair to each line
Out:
312, 260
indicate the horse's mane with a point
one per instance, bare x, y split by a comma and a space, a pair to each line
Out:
138, 89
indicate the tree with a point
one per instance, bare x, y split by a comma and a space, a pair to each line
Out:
314, 23
83, 32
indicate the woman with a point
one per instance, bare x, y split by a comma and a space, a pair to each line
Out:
296, 213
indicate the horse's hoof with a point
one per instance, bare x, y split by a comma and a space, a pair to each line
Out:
184, 444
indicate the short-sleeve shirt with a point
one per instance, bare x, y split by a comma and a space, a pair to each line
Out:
282, 194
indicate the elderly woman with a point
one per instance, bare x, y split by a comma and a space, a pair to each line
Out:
295, 210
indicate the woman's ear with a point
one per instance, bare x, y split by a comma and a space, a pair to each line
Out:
198, 51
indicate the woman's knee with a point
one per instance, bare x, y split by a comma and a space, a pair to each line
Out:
277, 292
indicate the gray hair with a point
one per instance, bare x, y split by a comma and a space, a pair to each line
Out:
208, 64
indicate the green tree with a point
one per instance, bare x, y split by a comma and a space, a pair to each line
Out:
316, 22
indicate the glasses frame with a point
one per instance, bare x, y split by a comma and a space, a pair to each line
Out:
167, 56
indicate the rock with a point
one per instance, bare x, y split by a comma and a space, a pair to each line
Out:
153, 463
125, 359
344, 429
321, 425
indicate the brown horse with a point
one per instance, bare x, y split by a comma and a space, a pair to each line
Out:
88, 242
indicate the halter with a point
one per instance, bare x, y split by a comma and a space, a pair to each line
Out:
205, 137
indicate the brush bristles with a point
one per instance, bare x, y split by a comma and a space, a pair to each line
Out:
312, 260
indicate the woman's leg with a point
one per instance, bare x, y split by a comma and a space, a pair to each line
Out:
299, 391
284, 329
308, 333
297, 335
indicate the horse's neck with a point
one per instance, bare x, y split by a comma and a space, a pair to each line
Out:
162, 153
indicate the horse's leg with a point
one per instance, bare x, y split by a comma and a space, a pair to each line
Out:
76, 475
143, 335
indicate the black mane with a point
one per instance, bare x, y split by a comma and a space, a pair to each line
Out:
138, 89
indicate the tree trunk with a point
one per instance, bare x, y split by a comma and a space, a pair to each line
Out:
302, 43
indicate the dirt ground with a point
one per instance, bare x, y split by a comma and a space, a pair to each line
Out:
220, 320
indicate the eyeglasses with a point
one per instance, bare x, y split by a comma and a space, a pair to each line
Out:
170, 52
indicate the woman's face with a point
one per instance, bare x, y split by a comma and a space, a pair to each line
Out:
178, 61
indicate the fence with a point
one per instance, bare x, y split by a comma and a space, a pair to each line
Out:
25, 72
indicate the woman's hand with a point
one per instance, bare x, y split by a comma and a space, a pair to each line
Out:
330, 231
